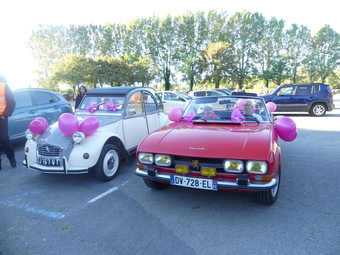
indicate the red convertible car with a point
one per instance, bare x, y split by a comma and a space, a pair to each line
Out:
217, 143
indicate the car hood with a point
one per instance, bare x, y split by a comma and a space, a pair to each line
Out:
242, 141
53, 134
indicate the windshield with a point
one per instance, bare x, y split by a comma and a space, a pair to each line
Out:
183, 95
102, 103
227, 109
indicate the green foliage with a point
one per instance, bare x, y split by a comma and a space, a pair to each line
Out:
200, 49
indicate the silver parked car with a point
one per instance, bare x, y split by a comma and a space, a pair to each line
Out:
207, 93
172, 99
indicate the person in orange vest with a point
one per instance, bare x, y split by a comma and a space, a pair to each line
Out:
7, 105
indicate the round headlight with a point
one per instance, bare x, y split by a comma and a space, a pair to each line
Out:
28, 134
78, 137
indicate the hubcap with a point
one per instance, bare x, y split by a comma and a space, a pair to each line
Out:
110, 164
319, 110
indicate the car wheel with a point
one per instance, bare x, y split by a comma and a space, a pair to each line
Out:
318, 110
108, 163
269, 197
155, 185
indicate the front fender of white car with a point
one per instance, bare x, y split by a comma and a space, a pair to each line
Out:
88, 152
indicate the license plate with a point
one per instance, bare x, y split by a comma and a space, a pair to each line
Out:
48, 161
190, 182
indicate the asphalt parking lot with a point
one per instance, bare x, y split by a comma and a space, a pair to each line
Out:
59, 214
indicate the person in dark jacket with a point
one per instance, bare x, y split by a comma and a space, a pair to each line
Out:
7, 106
79, 97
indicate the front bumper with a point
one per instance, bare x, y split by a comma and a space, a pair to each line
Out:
63, 169
221, 184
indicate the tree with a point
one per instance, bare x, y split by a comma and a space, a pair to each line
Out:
297, 45
326, 49
162, 43
73, 70
192, 36
245, 31
269, 52
217, 63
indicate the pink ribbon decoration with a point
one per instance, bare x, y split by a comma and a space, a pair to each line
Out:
91, 108
236, 116
189, 116
110, 107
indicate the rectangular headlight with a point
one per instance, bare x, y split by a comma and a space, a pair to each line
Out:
257, 167
145, 158
233, 166
162, 160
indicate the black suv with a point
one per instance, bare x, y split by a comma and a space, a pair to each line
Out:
315, 98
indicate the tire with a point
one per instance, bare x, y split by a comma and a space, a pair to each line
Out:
318, 110
155, 185
269, 197
107, 166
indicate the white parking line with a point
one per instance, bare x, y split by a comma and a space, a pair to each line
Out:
102, 195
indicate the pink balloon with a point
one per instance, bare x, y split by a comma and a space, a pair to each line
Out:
181, 109
174, 114
36, 127
271, 106
289, 137
44, 121
285, 125
68, 124
89, 125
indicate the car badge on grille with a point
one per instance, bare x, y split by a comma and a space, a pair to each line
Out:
47, 149
197, 149
195, 164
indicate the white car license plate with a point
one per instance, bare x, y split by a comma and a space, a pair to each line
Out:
48, 161
190, 182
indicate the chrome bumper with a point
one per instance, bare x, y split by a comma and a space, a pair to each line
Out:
220, 183
54, 169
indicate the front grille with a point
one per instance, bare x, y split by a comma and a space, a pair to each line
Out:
47, 150
208, 162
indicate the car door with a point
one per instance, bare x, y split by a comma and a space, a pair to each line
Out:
134, 121
48, 106
284, 99
25, 111
304, 95
151, 112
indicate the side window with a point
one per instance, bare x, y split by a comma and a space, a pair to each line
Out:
174, 97
43, 98
303, 90
135, 105
199, 94
149, 103
213, 93
167, 96
23, 99
159, 102
286, 91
